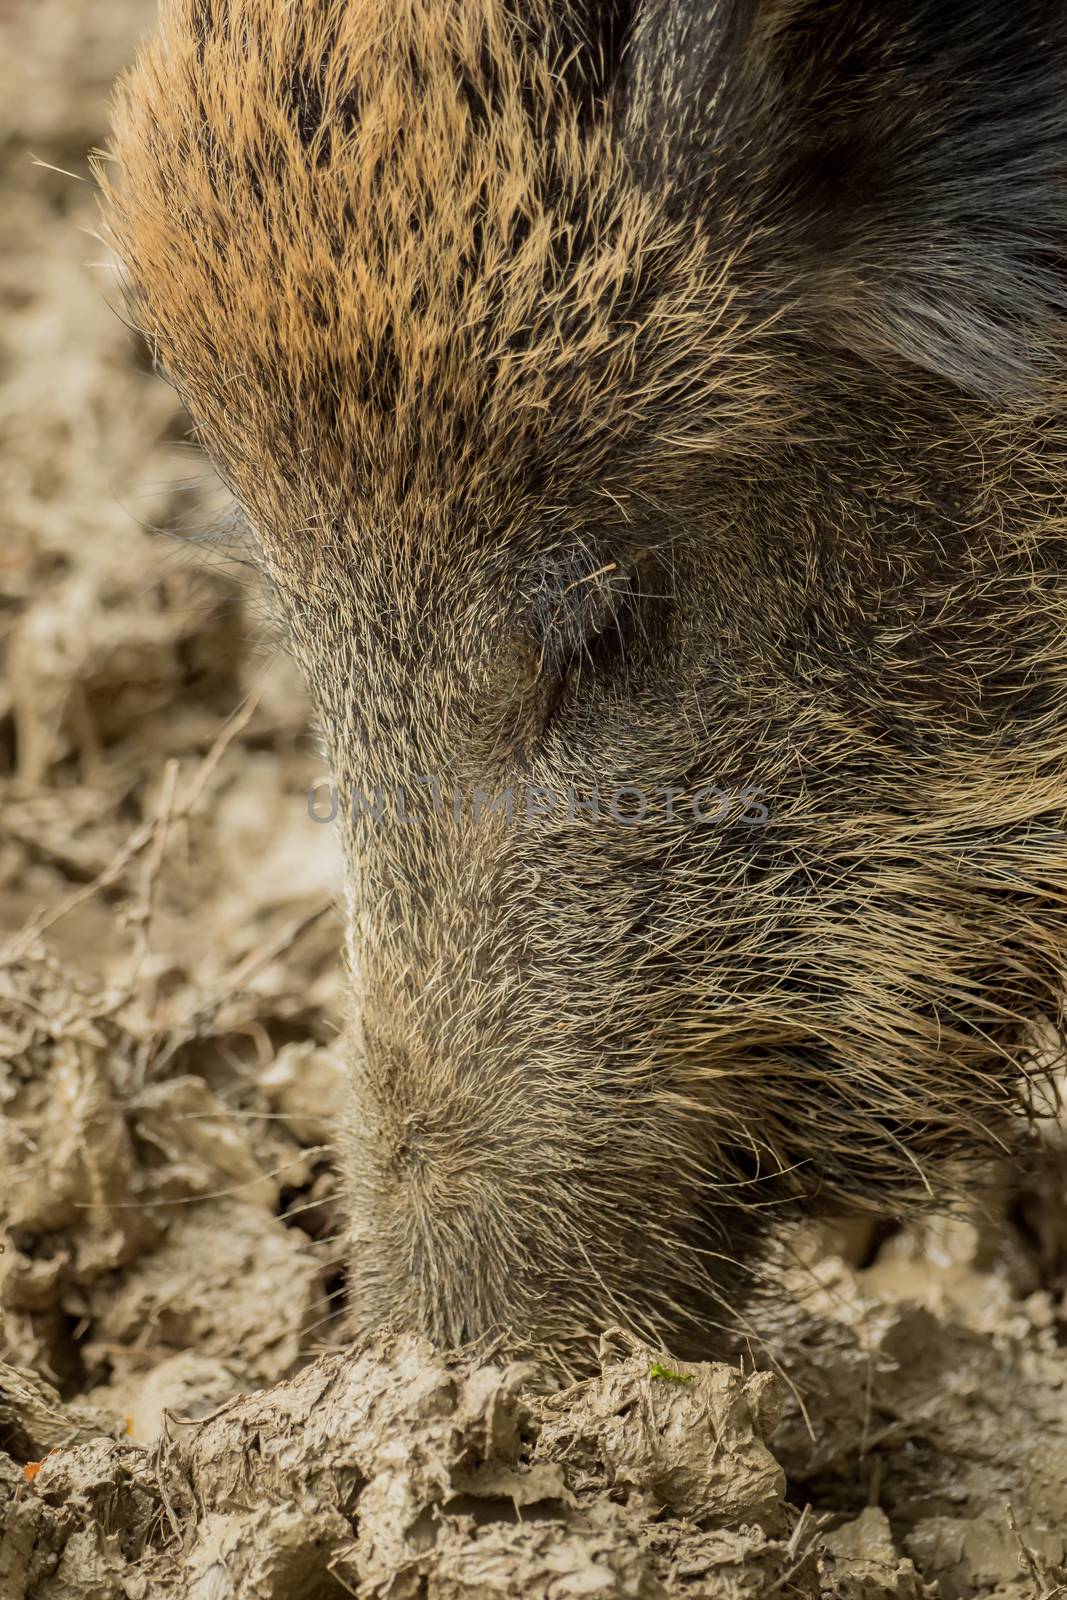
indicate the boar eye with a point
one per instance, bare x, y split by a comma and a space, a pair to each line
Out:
598, 621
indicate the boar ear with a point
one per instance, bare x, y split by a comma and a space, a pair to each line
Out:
902, 166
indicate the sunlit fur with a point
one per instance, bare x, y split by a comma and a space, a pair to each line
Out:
664, 394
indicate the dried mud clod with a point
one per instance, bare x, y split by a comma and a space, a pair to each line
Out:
137, 1207
394, 1471
689, 1437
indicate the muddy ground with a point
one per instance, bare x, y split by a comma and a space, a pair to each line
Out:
179, 1412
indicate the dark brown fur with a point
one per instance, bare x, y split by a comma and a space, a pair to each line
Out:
663, 394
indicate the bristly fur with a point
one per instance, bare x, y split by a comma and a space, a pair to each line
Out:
663, 392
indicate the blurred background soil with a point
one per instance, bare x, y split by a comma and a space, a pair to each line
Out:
170, 1003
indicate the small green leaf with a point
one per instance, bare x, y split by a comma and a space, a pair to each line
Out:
658, 1370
